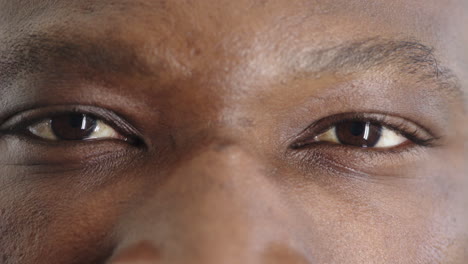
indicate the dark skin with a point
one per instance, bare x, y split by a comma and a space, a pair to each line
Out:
216, 131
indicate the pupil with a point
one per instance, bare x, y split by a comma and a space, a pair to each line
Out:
357, 128
77, 121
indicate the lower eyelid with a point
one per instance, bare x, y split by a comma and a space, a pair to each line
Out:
47, 158
359, 162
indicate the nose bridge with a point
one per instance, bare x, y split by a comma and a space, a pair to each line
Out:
221, 183
216, 190
214, 208
219, 169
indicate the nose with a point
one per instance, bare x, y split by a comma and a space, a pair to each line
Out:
220, 206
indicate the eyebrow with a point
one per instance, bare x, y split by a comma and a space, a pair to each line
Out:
409, 57
40, 52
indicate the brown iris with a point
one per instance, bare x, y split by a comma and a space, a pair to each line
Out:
73, 126
358, 134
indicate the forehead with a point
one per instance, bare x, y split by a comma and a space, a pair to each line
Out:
233, 32
421, 18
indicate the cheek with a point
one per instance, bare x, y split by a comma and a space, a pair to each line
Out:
55, 207
22, 224
83, 234
391, 220
54, 219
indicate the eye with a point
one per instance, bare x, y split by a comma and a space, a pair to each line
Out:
73, 126
366, 130
362, 134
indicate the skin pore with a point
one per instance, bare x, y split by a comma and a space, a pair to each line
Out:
216, 139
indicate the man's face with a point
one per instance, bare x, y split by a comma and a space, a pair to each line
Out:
212, 131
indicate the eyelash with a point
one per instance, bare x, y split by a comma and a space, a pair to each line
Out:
414, 132
19, 123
